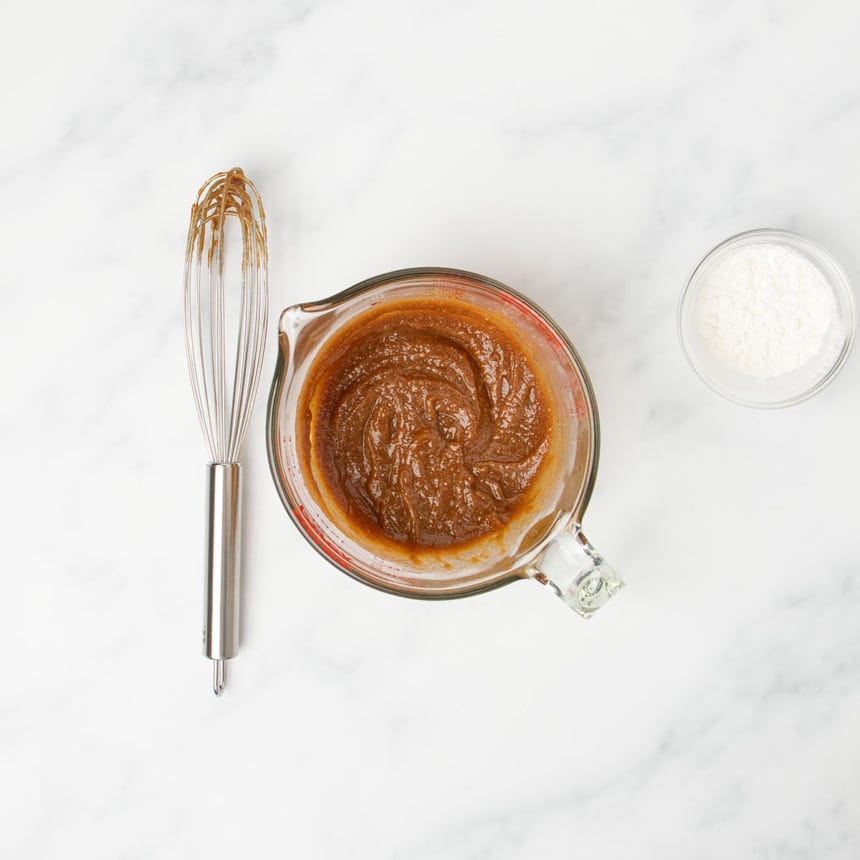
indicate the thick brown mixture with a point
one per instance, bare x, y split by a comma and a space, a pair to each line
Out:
425, 421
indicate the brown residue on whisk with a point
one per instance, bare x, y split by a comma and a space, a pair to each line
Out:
225, 195
223, 394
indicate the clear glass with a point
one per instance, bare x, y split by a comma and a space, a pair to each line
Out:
790, 388
545, 542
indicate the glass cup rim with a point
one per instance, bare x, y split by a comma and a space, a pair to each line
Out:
819, 254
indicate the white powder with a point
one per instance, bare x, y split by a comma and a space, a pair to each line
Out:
764, 310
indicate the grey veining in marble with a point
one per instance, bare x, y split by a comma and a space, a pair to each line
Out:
588, 154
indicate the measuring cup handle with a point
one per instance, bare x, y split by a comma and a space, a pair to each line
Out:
576, 572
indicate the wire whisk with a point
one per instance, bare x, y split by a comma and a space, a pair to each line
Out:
228, 214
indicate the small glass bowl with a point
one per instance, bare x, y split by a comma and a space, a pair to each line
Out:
790, 388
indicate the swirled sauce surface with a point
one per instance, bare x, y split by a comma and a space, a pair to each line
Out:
425, 422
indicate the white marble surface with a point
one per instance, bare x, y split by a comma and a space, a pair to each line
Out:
585, 153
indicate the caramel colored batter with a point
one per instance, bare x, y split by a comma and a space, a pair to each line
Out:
425, 421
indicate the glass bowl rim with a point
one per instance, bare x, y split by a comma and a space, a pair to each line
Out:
840, 284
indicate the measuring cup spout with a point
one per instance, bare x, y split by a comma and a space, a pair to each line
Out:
576, 572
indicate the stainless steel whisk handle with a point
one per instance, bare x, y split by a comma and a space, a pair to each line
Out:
223, 557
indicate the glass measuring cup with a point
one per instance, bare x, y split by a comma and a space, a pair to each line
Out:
545, 542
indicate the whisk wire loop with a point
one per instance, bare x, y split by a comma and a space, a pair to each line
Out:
224, 392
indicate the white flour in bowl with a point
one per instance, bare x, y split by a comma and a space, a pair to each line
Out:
765, 310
